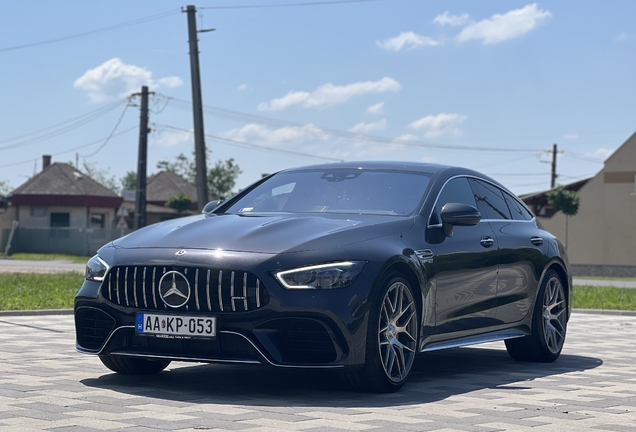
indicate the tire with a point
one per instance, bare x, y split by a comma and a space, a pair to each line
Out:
392, 336
549, 324
133, 365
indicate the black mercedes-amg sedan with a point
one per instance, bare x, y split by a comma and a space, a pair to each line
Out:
355, 266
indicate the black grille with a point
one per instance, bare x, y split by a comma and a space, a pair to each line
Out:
211, 290
92, 327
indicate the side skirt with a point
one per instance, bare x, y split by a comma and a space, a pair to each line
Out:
474, 340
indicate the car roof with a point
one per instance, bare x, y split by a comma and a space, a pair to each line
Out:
435, 170
382, 165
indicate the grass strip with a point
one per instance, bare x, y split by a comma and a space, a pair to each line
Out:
49, 257
25, 291
600, 297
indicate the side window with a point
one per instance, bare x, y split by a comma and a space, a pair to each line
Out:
490, 201
455, 191
518, 211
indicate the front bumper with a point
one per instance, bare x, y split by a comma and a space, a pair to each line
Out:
292, 328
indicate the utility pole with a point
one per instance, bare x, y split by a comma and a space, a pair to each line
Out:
142, 159
197, 109
554, 173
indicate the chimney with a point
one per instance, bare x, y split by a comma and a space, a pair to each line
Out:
46, 161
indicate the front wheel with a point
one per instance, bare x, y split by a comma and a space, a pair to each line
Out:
391, 339
549, 324
133, 365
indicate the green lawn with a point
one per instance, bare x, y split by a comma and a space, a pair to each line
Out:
597, 297
22, 291
49, 257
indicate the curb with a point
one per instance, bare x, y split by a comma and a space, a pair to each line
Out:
36, 312
70, 312
605, 312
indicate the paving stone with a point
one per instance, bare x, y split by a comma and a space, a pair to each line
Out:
45, 385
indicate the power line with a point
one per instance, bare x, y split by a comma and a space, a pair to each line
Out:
281, 5
110, 135
92, 143
584, 158
96, 31
74, 123
252, 145
245, 117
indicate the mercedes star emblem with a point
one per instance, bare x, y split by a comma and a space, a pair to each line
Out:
180, 253
174, 289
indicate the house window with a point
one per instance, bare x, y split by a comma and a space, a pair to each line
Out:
98, 220
38, 211
60, 220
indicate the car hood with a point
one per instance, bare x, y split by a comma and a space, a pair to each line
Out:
264, 233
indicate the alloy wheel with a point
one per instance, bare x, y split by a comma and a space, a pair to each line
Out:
398, 332
554, 315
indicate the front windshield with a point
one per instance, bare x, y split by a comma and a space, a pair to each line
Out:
338, 190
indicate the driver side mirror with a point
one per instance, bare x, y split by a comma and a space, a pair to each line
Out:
456, 214
211, 206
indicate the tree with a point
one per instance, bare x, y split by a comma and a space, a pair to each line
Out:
182, 167
101, 176
565, 201
221, 178
180, 202
5, 188
129, 181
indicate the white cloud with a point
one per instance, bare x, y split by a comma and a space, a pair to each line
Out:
369, 127
405, 137
172, 138
406, 41
114, 79
376, 108
446, 19
510, 25
440, 124
570, 136
261, 134
328, 95
242, 87
170, 82
601, 153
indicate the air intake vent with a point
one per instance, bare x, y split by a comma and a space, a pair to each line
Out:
92, 327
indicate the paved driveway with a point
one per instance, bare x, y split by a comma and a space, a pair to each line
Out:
45, 385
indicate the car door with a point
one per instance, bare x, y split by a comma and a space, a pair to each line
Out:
465, 267
519, 250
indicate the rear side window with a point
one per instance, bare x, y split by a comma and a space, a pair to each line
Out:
518, 211
457, 190
490, 201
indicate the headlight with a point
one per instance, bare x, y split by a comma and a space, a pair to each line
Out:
96, 269
324, 276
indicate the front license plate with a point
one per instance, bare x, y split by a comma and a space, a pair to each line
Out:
175, 326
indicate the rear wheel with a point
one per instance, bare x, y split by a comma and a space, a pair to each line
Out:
391, 339
133, 365
549, 324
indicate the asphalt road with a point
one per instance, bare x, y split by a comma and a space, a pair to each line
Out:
25, 266
46, 385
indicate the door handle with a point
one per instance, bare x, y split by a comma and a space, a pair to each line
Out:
487, 241
537, 241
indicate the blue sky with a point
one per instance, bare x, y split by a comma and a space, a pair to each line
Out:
444, 82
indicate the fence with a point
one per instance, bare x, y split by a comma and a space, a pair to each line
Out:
71, 241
